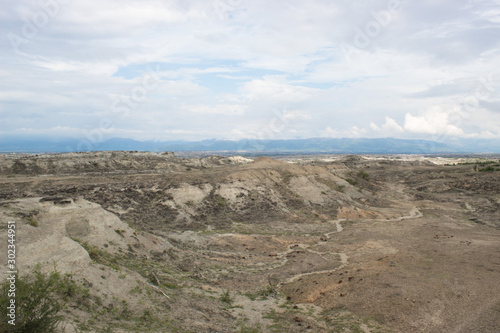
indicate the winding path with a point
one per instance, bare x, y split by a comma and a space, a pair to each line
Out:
344, 259
343, 256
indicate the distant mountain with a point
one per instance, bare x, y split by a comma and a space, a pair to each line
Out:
313, 145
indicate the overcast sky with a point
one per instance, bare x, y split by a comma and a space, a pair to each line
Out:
233, 69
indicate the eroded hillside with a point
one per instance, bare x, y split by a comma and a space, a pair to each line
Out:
217, 244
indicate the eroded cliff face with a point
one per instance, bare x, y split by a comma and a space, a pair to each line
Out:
60, 225
229, 244
73, 236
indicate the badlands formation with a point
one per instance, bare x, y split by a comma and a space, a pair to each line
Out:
160, 243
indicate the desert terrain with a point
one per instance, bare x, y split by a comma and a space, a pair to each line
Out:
161, 243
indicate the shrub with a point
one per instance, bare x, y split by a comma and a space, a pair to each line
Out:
221, 201
362, 174
120, 232
32, 221
39, 300
226, 297
489, 168
19, 167
353, 182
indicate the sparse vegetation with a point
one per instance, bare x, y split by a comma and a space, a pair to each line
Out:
478, 163
353, 182
40, 299
363, 175
100, 256
226, 297
32, 221
245, 328
219, 200
489, 168
120, 232
271, 290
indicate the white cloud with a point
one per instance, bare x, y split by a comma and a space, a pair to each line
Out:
389, 127
101, 69
488, 135
329, 132
374, 127
295, 115
224, 74
225, 109
355, 132
275, 89
433, 122
352, 132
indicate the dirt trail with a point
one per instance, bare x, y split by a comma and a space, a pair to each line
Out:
343, 256
344, 259
283, 256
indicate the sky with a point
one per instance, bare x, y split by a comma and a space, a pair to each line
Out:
250, 69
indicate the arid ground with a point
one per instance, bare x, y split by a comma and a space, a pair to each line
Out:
160, 243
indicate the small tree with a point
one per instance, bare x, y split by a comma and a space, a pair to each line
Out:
38, 298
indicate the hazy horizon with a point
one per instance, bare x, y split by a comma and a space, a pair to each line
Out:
252, 146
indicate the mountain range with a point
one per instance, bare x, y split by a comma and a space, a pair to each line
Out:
293, 146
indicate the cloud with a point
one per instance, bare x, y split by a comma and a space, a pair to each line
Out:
389, 127
224, 72
275, 89
374, 127
295, 115
353, 132
433, 122
329, 132
225, 109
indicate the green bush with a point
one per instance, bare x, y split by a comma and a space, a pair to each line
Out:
39, 298
489, 168
32, 221
363, 174
353, 182
226, 297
